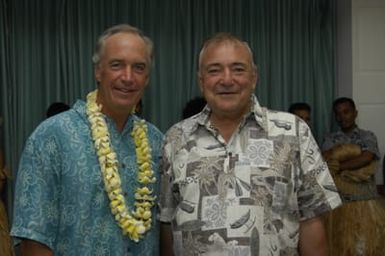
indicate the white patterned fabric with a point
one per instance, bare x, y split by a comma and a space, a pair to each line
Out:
247, 196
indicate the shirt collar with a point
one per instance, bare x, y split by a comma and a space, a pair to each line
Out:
80, 107
257, 113
355, 130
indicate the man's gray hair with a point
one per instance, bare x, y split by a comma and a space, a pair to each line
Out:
220, 38
121, 28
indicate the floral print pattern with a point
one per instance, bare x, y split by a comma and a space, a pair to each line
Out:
60, 199
245, 197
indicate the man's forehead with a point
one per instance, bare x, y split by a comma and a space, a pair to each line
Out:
345, 105
225, 43
227, 51
229, 64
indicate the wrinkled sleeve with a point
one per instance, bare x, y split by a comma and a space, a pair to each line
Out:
317, 192
167, 202
36, 206
369, 141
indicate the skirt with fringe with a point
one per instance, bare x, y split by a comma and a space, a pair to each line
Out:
357, 228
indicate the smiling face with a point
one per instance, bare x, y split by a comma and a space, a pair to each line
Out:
346, 114
122, 73
227, 77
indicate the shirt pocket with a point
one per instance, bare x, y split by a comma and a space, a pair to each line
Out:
272, 190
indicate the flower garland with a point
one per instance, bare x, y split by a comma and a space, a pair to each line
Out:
136, 223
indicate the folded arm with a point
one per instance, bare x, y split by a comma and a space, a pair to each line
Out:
357, 162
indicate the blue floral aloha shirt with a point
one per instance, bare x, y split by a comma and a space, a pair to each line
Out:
247, 196
60, 199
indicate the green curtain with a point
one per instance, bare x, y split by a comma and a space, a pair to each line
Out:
46, 48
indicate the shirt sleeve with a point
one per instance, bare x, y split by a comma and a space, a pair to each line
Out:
36, 205
317, 192
369, 143
167, 203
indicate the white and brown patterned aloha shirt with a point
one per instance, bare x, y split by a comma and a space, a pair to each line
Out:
247, 196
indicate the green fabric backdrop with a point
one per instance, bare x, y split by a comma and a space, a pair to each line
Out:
46, 48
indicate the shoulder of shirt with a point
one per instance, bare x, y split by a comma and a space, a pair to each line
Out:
190, 124
265, 116
187, 125
363, 131
279, 114
53, 126
276, 115
57, 119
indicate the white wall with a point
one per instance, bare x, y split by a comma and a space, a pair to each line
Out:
344, 48
368, 67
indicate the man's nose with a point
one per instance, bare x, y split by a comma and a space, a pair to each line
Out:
127, 73
227, 76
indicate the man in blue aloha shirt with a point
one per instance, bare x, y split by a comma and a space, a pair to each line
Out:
61, 204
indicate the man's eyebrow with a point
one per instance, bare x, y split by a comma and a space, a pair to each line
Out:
238, 64
115, 60
213, 64
133, 63
140, 63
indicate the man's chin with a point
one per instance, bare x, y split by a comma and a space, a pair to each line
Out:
125, 107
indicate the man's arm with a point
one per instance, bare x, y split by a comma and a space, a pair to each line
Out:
165, 239
312, 238
33, 248
357, 162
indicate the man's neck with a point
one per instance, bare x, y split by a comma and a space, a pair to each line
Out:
349, 130
120, 119
226, 125
119, 116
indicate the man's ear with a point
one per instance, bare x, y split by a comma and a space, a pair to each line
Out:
97, 72
147, 81
255, 78
200, 82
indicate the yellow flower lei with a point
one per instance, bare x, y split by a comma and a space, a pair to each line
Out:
136, 223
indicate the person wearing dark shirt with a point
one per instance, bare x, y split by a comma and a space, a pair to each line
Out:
302, 110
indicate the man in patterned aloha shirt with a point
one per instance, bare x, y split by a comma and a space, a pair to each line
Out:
239, 179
